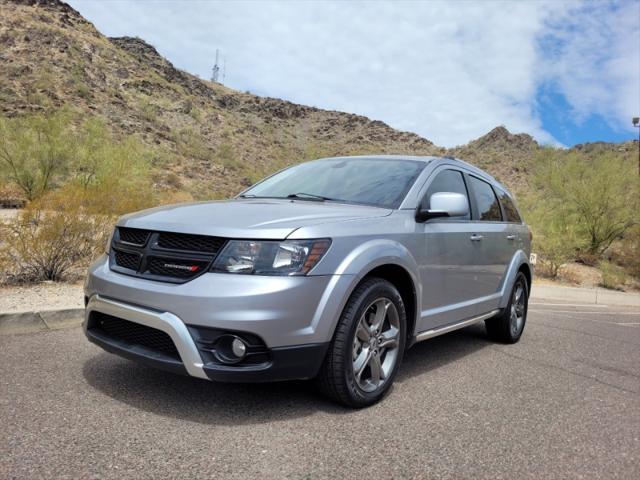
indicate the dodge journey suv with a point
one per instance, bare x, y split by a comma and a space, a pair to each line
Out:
327, 270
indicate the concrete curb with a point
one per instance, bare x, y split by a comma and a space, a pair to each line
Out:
41, 321
595, 296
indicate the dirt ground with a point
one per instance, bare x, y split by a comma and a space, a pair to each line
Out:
42, 296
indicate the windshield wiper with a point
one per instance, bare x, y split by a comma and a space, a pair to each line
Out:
309, 196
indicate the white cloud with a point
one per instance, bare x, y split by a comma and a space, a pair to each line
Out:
449, 71
594, 58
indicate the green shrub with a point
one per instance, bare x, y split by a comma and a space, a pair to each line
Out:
35, 150
598, 196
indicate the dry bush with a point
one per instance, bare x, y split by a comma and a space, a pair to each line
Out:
50, 238
176, 196
613, 277
59, 234
627, 253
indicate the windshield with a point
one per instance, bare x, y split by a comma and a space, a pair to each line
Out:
381, 183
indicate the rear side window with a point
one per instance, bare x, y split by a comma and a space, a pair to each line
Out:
447, 181
488, 206
510, 210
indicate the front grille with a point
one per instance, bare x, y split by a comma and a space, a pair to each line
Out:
133, 333
134, 236
191, 243
130, 261
175, 268
163, 256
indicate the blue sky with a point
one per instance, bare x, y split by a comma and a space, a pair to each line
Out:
565, 72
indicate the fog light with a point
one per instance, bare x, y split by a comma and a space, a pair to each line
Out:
238, 348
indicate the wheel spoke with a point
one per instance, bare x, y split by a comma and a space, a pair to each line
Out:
376, 369
362, 332
382, 306
361, 361
517, 295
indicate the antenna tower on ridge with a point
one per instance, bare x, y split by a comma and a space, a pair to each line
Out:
216, 68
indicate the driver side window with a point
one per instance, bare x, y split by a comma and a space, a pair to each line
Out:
447, 181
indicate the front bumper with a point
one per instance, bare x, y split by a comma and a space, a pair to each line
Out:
283, 311
283, 363
294, 317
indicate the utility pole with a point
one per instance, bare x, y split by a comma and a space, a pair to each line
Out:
216, 68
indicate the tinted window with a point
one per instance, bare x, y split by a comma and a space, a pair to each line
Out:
488, 206
447, 181
382, 183
510, 210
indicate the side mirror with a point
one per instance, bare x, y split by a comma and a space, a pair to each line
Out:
444, 204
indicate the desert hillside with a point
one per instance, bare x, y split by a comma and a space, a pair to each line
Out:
218, 139
215, 140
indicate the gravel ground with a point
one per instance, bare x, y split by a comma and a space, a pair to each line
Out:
563, 403
42, 296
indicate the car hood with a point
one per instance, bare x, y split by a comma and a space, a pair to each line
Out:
247, 218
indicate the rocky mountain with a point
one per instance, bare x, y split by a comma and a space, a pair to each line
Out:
506, 155
216, 139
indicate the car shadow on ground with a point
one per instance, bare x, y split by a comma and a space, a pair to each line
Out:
204, 402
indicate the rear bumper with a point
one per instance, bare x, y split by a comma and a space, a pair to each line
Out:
284, 363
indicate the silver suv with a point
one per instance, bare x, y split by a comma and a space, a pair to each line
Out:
328, 270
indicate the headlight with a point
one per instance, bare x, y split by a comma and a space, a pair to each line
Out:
107, 247
290, 257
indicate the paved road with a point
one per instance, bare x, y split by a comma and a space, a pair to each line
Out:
563, 403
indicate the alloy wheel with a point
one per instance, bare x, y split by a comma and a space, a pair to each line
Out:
375, 344
517, 309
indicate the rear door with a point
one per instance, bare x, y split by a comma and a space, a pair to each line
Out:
496, 243
516, 231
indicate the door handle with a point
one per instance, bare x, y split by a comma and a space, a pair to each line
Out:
511, 237
475, 238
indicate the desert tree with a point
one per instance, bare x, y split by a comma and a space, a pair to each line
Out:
34, 149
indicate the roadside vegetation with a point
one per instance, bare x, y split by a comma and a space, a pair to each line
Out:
584, 209
76, 178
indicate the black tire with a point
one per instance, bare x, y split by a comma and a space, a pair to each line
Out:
336, 378
501, 327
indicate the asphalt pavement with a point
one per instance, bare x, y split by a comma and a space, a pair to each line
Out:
562, 403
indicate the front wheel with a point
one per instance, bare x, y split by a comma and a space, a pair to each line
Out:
367, 347
507, 327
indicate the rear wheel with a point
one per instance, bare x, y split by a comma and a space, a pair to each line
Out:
367, 347
507, 327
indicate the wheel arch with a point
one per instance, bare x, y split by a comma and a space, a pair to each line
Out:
526, 270
519, 263
384, 258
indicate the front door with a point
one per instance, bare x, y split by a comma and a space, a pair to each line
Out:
449, 268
